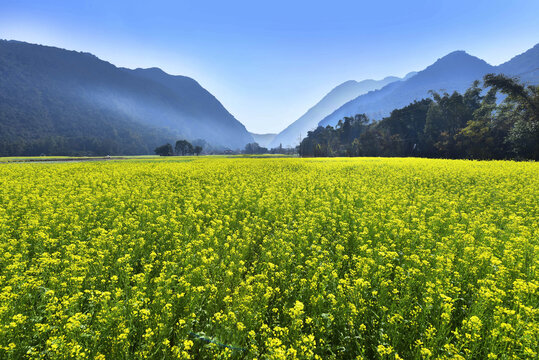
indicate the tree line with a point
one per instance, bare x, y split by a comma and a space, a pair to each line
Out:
499, 120
182, 148
255, 148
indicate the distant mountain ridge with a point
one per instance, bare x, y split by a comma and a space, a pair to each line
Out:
453, 72
213, 122
341, 94
263, 139
70, 101
521, 63
66, 97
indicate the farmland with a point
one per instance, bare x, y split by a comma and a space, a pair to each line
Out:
277, 258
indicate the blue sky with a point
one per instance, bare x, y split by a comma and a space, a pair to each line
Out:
269, 61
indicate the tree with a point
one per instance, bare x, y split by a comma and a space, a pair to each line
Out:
526, 97
164, 150
197, 150
254, 148
446, 116
468, 125
477, 139
203, 145
522, 103
183, 147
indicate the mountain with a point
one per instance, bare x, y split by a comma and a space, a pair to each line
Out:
525, 66
58, 101
409, 75
198, 106
453, 72
291, 136
263, 139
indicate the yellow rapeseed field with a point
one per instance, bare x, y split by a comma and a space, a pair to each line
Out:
202, 258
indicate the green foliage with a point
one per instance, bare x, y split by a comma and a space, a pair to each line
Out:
470, 125
522, 104
254, 148
184, 147
164, 150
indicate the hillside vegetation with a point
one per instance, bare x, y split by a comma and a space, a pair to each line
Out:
59, 102
474, 124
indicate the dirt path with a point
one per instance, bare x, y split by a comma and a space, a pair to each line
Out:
57, 160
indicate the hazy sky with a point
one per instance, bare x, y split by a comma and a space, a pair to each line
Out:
269, 61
